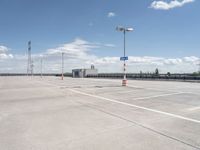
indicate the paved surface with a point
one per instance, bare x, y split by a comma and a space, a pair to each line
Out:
98, 114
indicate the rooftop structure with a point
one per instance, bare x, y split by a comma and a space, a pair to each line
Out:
82, 73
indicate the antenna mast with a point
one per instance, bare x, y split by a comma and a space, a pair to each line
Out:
29, 59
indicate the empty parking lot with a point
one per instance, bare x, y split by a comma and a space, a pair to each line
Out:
98, 114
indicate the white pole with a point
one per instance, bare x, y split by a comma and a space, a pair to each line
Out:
124, 81
122, 29
41, 68
199, 66
62, 66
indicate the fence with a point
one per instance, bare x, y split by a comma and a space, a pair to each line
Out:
120, 76
146, 76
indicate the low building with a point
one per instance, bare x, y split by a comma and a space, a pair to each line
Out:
82, 73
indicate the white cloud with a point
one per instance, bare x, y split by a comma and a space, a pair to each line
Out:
162, 5
111, 14
78, 49
110, 45
176, 61
148, 64
104, 61
145, 60
3, 49
194, 60
79, 54
4, 53
6, 56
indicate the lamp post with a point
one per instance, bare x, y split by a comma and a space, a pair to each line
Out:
62, 76
199, 66
124, 30
41, 63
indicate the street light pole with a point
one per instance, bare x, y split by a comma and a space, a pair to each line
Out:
124, 81
199, 66
62, 77
41, 63
124, 30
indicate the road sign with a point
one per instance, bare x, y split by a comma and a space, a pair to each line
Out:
123, 58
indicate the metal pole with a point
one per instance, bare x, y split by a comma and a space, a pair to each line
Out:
124, 54
124, 81
32, 66
62, 65
29, 63
123, 29
41, 68
199, 66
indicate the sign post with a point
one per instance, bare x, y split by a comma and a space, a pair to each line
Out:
124, 81
124, 30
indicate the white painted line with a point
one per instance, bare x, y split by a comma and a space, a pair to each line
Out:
139, 107
124, 92
156, 96
194, 108
149, 97
154, 89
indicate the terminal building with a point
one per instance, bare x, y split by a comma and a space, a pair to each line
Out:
82, 73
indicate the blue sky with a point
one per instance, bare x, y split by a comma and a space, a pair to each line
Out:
167, 30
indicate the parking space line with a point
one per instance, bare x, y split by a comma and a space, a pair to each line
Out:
139, 107
149, 97
156, 96
124, 92
154, 89
194, 108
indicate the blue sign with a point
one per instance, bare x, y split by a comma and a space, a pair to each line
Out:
123, 58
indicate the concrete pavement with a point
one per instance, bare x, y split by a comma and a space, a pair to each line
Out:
98, 114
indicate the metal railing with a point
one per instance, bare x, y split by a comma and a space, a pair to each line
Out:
120, 76
146, 76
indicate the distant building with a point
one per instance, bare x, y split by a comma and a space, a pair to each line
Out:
82, 73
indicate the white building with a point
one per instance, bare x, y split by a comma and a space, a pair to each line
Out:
82, 73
